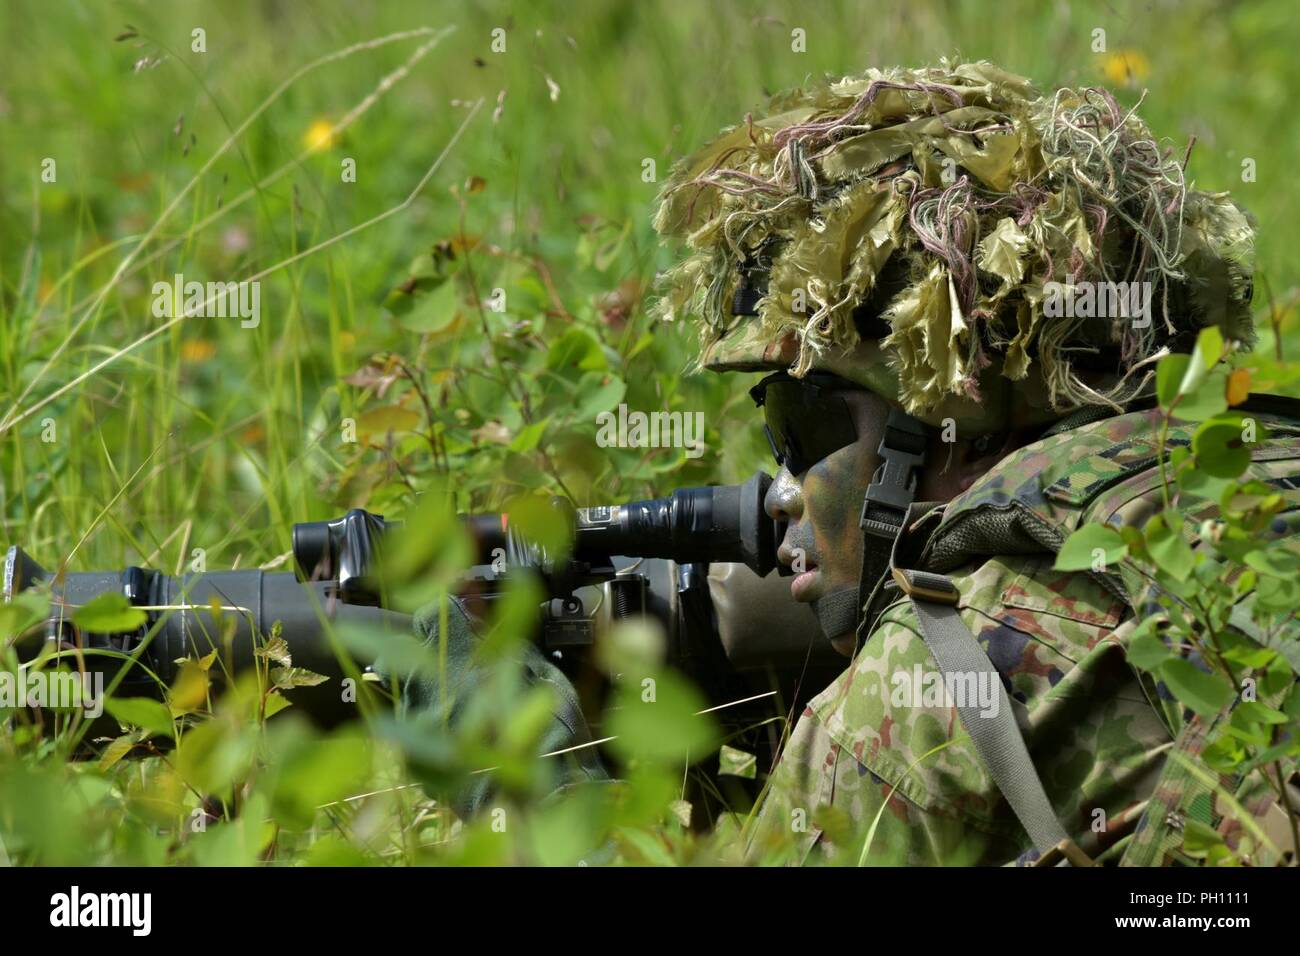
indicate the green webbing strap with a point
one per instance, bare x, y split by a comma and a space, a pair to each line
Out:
997, 737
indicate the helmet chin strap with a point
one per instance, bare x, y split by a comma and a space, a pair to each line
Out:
892, 489
837, 613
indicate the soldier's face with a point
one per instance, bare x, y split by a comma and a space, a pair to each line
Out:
822, 504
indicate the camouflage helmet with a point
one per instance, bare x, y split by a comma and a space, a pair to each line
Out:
923, 233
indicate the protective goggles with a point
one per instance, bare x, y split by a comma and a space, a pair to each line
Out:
806, 418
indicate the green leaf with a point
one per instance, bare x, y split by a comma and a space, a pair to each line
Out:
835, 823
1252, 734
109, 613
737, 763
576, 347
216, 754
275, 649
541, 520
276, 702
402, 300
1199, 839
189, 692
1190, 385
1146, 651
144, 712
1201, 484
312, 771
1169, 376
89, 789
1252, 711
1168, 551
1251, 500
387, 418
27, 608
286, 678
656, 719
393, 654
1282, 670
1267, 755
1223, 754
650, 849
1277, 595
1206, 694
596, 395
568, 828
528, 720
433, 311
528, 437
1133, 540
1275, 562
1218, 447
1247, 653
118, 749
1208, 351
1079, 552
1209, 399
1292, 706
238, 842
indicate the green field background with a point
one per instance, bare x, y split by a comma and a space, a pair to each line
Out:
215, 436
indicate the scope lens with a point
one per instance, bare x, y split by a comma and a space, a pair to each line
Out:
313, 550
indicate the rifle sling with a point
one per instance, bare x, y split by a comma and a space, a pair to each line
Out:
997, 738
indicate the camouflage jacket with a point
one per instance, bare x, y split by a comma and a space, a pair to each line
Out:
871, 754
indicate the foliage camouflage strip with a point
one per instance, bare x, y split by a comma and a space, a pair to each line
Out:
956, 194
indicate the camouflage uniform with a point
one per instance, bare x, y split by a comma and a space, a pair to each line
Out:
1098, 733
910, 232
823, 235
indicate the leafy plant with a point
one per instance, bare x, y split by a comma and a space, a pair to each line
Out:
1218, 565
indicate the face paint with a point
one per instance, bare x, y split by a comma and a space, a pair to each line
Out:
823, 505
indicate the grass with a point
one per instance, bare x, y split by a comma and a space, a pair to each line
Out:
207, 441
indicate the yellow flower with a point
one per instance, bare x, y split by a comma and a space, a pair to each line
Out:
319, 135
197, 350
1126, 66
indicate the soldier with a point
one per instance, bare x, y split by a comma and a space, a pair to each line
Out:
959, 288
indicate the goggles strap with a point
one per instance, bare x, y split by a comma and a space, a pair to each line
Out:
892, 490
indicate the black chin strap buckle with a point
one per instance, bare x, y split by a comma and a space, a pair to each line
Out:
893, 486
884, 509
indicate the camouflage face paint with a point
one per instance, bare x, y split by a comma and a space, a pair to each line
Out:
822, 507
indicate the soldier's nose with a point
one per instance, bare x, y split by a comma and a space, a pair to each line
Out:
784, 499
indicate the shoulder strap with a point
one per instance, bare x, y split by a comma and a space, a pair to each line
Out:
996, 736
998, 741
